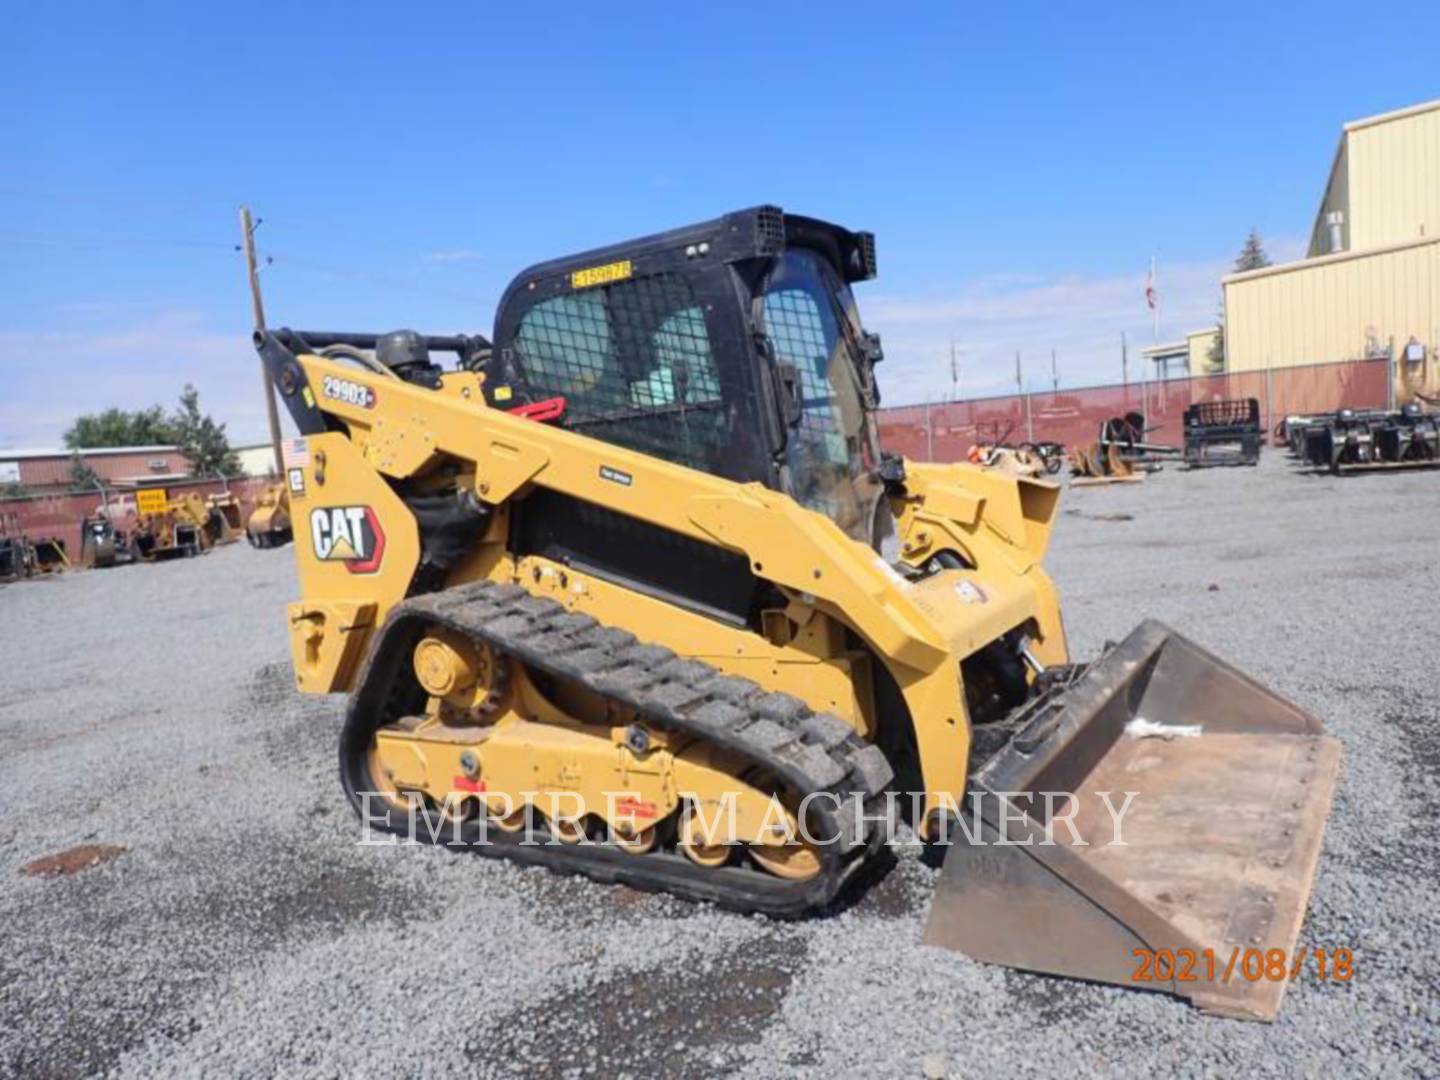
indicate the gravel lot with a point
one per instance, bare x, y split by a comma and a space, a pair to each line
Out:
246, 931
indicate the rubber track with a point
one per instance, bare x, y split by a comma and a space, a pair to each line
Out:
805, 750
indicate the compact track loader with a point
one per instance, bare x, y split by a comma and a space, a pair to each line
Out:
632, 591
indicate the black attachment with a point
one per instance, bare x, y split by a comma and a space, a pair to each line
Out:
404, 352
892, 473
1223, 432
472, 349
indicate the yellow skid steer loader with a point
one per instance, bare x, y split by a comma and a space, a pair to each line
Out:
636, 578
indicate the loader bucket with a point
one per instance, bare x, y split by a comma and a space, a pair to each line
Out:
1211, 864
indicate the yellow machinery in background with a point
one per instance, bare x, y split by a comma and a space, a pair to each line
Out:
224, 523
636, 576
269, 524
23, 557
188, 525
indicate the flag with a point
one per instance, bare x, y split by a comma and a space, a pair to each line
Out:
1152, 298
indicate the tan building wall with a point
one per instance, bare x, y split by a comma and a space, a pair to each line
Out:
1339, 307
1394, 177
1385, 182
256, 460
1200, 342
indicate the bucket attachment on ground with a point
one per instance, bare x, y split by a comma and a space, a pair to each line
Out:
1101, 464
1211, 860
1352, 441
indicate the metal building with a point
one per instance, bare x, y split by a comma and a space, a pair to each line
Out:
1370, 283
133, 466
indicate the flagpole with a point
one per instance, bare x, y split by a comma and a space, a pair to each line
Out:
1154, 341
1155, 308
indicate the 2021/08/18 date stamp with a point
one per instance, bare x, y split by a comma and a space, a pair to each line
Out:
1249, 965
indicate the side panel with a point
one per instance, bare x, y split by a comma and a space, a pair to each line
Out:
356, 549
407, 433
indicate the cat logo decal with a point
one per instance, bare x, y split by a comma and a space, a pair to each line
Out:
348, 534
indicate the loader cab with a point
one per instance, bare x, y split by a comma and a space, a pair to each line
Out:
733, 347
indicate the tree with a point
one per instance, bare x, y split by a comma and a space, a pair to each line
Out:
201, 439
82, 476
119, 427
1252, 257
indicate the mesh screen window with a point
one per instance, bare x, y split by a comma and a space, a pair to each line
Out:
793, 320
634, 362
824, 453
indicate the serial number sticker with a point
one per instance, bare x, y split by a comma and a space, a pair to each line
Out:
348, 391
1242, 965
601, 275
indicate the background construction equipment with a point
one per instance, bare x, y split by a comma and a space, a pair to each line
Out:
1223, 433
269, 524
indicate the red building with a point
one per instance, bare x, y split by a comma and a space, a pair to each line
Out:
37, 487
49, 471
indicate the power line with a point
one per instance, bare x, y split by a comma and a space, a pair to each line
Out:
112, 242
122, 242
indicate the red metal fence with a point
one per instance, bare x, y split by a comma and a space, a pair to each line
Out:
945, 431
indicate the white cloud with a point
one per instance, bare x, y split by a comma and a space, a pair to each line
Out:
129, 358
1080, 316
54, 375
992, 318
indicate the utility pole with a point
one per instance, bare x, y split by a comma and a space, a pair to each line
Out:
247, 243
954, 373
1054, 374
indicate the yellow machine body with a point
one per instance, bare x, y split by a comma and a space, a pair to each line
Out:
919, 633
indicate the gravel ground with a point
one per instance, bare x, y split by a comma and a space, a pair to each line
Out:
247, 931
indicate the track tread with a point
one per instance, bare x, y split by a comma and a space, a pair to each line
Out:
808, 752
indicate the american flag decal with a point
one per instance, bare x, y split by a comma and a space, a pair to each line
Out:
295, 452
